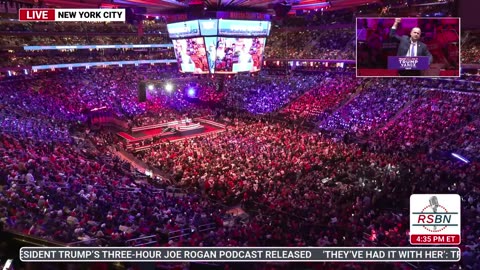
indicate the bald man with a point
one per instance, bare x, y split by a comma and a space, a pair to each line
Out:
410, 46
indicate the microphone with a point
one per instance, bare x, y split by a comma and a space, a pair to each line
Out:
434, 205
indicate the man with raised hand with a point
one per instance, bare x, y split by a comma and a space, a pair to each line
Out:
410, 46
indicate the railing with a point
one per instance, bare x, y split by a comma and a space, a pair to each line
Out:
109, 121
175, 192
79, 243
190, 127
161, 125
33, 240
215, 124
142, 241
154, 126
206, 227
175, 235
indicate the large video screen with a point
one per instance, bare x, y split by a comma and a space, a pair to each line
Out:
211, 46
191, 55
218, 45
239, 54
243, 28
183, 29
208, 27
214, 27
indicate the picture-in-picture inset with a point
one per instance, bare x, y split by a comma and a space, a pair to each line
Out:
408, 47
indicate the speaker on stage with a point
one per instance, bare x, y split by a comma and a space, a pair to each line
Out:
142, 91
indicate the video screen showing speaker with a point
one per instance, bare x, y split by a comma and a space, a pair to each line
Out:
235, 54
219, 46
211, 46
191, 55
408, 47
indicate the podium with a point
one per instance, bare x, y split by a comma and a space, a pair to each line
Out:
408, 62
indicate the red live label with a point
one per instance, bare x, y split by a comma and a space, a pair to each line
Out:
426, 239
36, 14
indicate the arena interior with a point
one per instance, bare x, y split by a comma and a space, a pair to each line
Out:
301, 152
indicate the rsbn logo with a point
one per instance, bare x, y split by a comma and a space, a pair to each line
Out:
435, 219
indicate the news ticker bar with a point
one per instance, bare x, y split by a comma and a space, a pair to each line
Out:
72, 15
99, 64
82, 47
240, 254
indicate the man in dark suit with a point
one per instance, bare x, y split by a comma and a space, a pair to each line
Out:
410, 46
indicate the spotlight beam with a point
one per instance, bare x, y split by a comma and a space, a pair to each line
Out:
460, 157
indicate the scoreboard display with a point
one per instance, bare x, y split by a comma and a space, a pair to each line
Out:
235, 54
243, 28
218, 46
183, 29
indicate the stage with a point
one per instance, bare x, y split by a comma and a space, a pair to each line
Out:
141, 138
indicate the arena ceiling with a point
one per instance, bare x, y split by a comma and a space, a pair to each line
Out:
158, 7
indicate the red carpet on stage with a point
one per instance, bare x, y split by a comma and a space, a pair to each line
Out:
150, 133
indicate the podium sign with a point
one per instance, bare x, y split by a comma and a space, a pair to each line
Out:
408, 62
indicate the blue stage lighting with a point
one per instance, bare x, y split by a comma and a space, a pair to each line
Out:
191, 92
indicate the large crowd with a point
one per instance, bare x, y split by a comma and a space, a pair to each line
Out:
166, 106
462, 141
65, 188
264, 94
471, 49
60, 178
115, 88
67, 192
377, 102
61, 183
429, 118
328, 94
319, 18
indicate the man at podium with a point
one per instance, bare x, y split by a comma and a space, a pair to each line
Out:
410, 46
